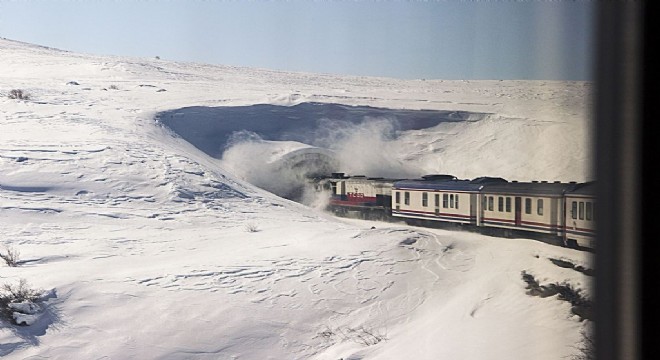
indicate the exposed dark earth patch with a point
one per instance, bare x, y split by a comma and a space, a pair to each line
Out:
580, 306
569, 265
408, 241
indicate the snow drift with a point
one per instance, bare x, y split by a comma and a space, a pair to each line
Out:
146, 247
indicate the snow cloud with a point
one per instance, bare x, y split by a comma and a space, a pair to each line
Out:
366, 148
284, 167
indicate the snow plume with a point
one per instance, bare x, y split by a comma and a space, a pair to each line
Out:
284, 168
367, 148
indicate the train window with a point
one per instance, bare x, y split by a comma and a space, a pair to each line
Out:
445, 200
406, 198
397, 197
490, 203
539, 207
456, 201
485, 202
451, 200
581, 211
574, 210
425, 199
588, 211
437, 201
508, 204
500, 204
528, 206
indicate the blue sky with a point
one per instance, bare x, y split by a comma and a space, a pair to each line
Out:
549, 40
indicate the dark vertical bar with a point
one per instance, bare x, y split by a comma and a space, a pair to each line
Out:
650, 180
618, 165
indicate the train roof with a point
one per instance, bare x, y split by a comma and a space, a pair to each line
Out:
447, 182
588, 188
362, 178
457, 185
529, 188
484, 184
496, 185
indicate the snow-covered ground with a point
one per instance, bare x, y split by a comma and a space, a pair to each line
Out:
147, 247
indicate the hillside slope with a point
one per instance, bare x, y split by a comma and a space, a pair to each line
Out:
147, 247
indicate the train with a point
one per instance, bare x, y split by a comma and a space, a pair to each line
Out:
556, 212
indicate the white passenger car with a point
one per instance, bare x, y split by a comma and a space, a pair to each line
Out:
436, 198
580, 221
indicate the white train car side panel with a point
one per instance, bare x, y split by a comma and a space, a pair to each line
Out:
522, 212
581, 220
442, 198
426, 204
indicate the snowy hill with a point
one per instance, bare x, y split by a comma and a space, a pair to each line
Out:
148, 247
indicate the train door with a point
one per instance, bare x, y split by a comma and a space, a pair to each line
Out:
518, 209
482, 206
556, 215
397, 200
343, 191
564, 220
474, 200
